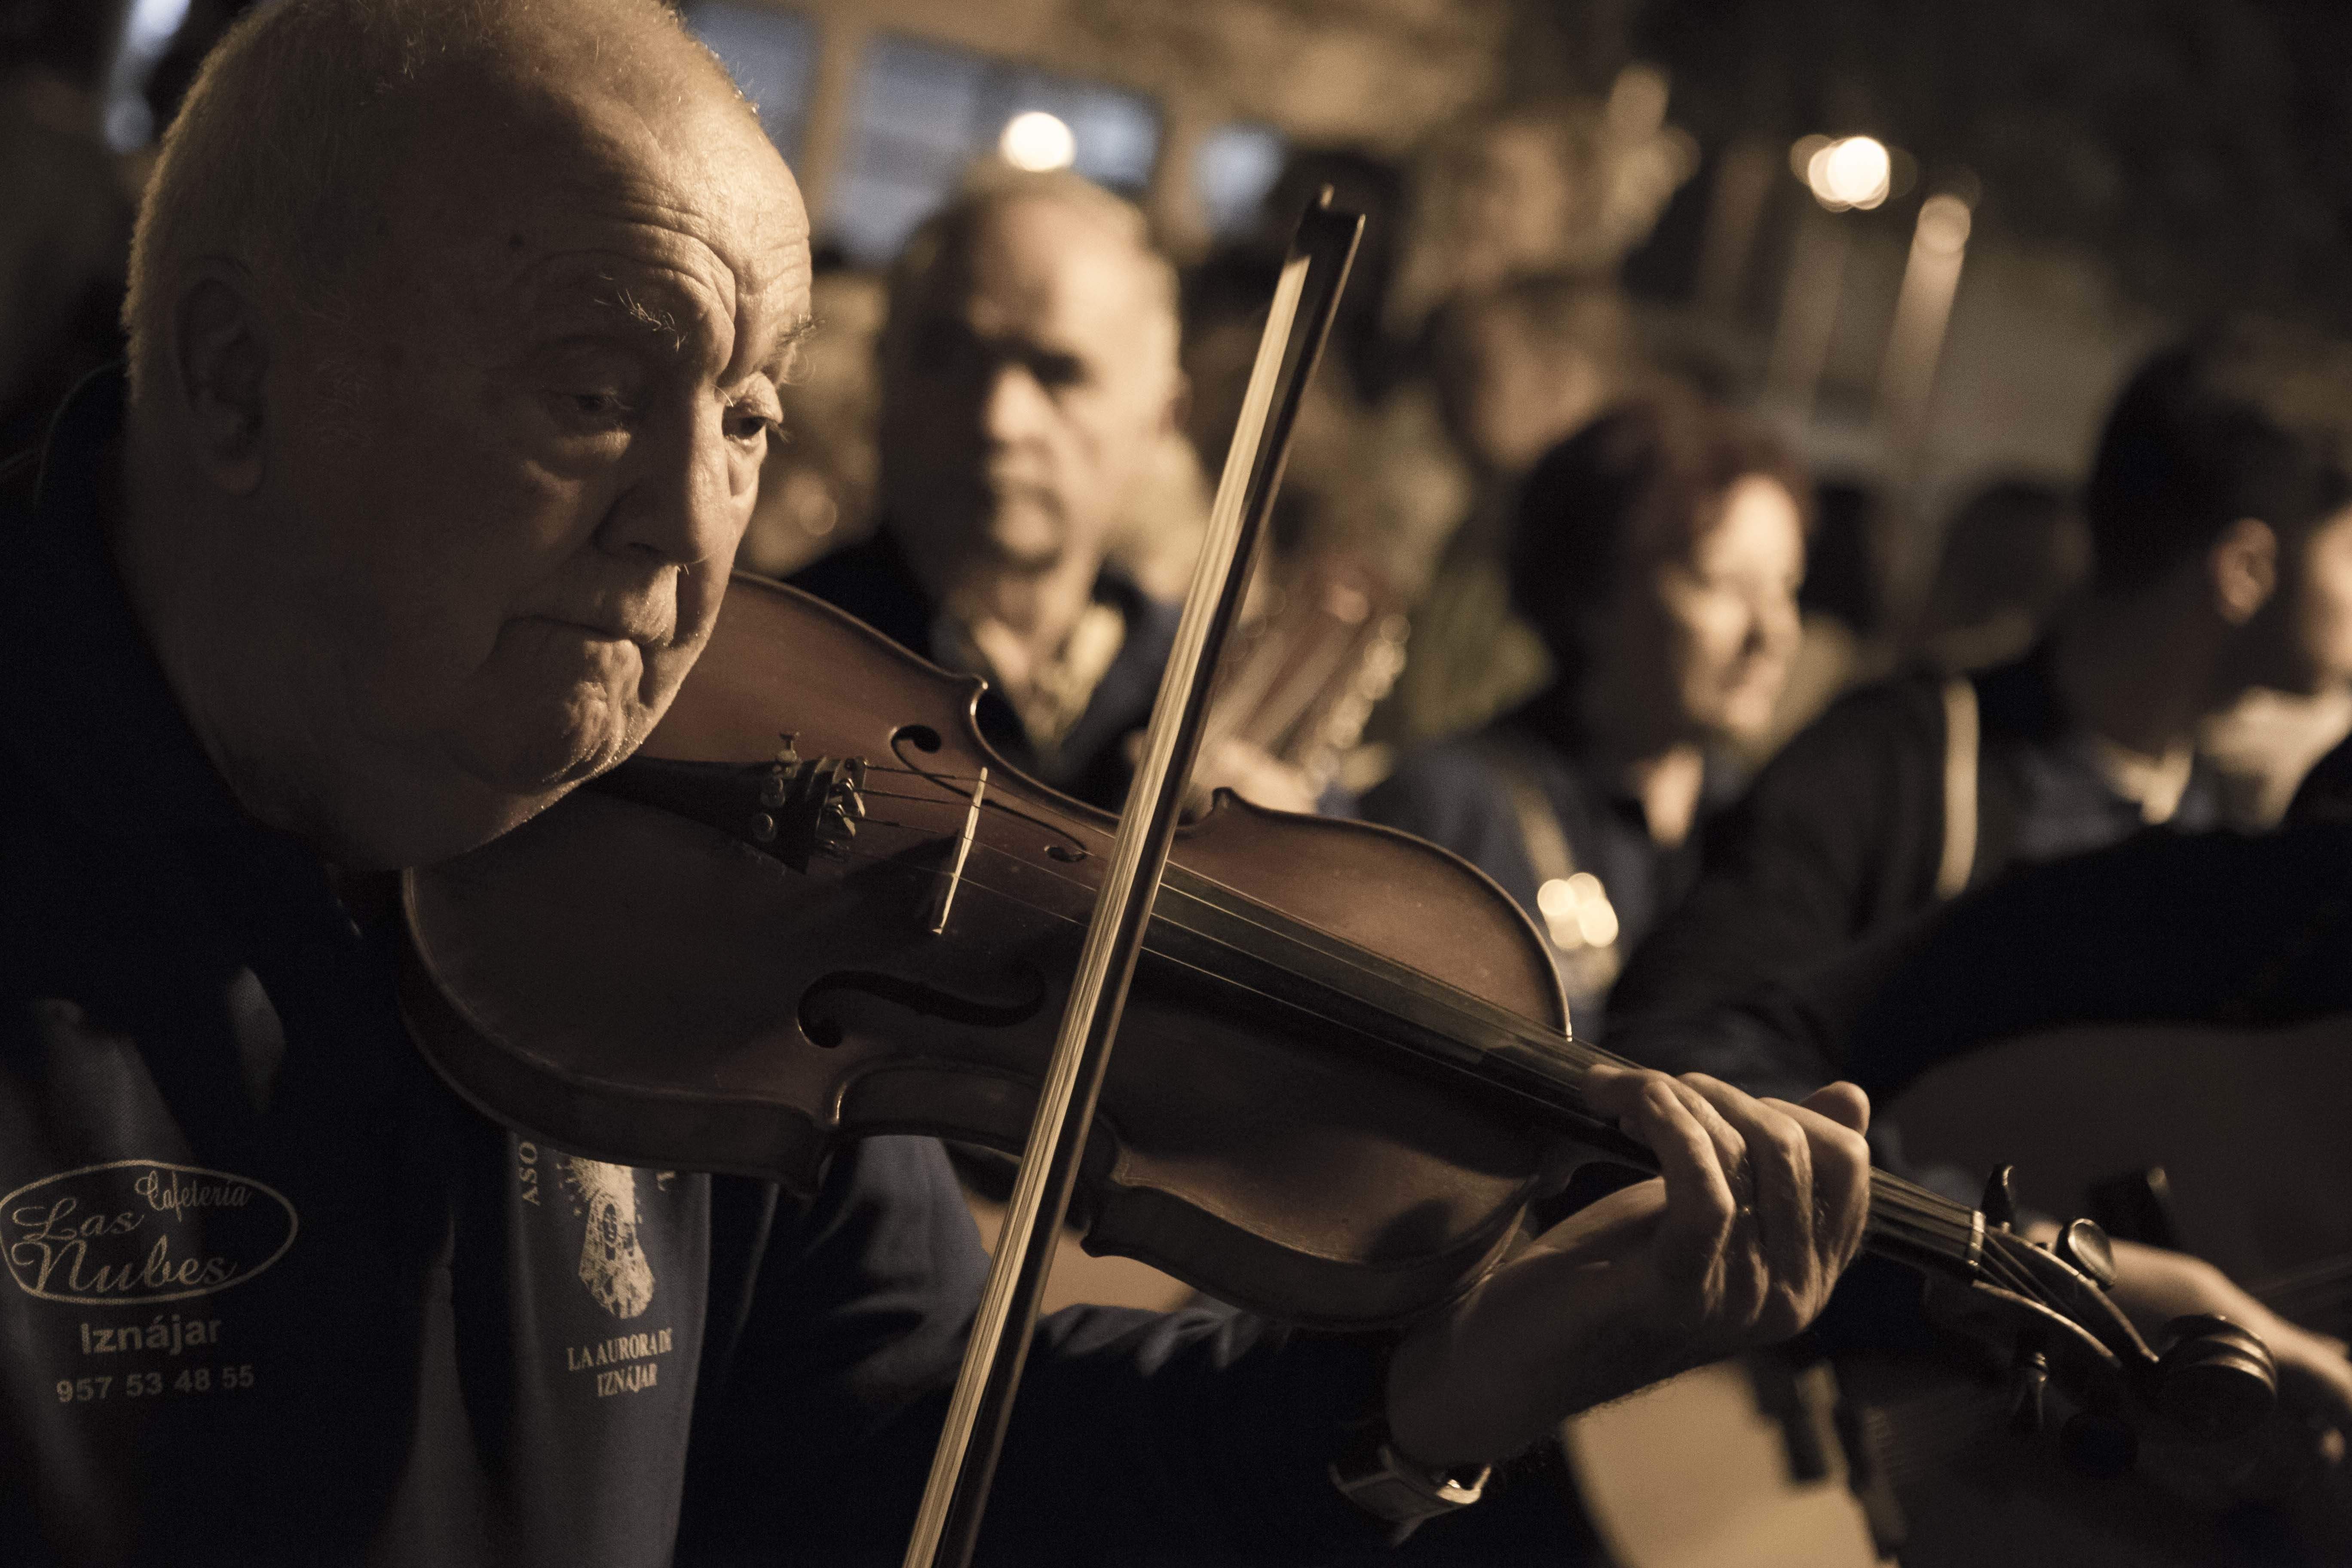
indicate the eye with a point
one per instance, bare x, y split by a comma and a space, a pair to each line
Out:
749, 425
597, 407
1055, 371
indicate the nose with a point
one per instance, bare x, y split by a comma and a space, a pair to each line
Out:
1014, 404
680, 506
1776, 624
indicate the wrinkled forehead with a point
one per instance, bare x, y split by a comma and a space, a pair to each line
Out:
520, 199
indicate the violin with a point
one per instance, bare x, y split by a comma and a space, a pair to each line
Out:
816, 905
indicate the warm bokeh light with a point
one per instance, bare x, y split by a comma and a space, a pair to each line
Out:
1944, 225
1850, 172
1577, 911
1036, 142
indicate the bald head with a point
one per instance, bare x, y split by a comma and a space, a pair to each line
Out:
458, 327
308, 110
1063, 204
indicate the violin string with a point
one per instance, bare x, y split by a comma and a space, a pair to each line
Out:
992, 802
945, 802
2010, 1275
1925, 1218
1922, 1214
934, 874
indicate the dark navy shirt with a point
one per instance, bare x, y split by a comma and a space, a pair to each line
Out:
273, 1295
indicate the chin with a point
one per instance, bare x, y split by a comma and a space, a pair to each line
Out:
1025, 539
1741, 722
538, 761
561, 762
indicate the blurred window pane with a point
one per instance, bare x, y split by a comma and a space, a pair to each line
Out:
924, 113
148, 28
1233, 168
773, 56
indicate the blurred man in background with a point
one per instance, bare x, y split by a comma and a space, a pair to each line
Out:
1029, 385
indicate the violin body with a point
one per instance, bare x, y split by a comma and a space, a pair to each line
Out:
659, 985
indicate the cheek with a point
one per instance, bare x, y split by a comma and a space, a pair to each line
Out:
479, 539
2328, 630
458, 548
1708, 633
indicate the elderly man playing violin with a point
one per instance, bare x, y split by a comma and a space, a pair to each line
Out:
456, 331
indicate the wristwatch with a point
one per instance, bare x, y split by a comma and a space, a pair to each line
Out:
1398, 1492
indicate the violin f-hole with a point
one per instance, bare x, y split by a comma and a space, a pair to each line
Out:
824, 1028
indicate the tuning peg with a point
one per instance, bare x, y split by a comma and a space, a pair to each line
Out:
1999, 1201
2028, 1392
2085, 1247
2215, 1378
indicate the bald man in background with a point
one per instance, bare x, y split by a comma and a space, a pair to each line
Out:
1029, 377
456, 331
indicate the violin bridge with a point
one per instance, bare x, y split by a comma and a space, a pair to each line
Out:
963, 853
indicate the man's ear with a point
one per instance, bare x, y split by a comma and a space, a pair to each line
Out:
220, 358
2244, 567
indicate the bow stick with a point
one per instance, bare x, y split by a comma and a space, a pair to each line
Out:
947, 1524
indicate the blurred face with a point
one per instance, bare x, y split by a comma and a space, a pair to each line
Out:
1707, 633
1511, 202
503, 497
1023, 397
2318, 607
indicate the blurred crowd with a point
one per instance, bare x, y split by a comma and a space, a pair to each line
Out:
1543, 588
1549, 584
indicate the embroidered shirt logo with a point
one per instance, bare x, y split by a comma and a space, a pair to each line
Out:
134, 1231
613, 1266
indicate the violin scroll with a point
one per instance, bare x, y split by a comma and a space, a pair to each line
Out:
2047, 1311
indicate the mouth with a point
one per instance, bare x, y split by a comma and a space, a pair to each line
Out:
604, 631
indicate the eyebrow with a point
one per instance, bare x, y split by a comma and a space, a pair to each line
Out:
623, 299
779, 367
608, 293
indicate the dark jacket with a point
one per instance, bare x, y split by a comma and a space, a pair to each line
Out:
1843, 835
2210, 928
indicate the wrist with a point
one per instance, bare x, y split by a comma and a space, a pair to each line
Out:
1388, 1479
1399, 1493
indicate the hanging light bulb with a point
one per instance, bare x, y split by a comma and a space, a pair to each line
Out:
1037, 142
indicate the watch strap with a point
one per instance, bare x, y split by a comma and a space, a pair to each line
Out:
1399, 1493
